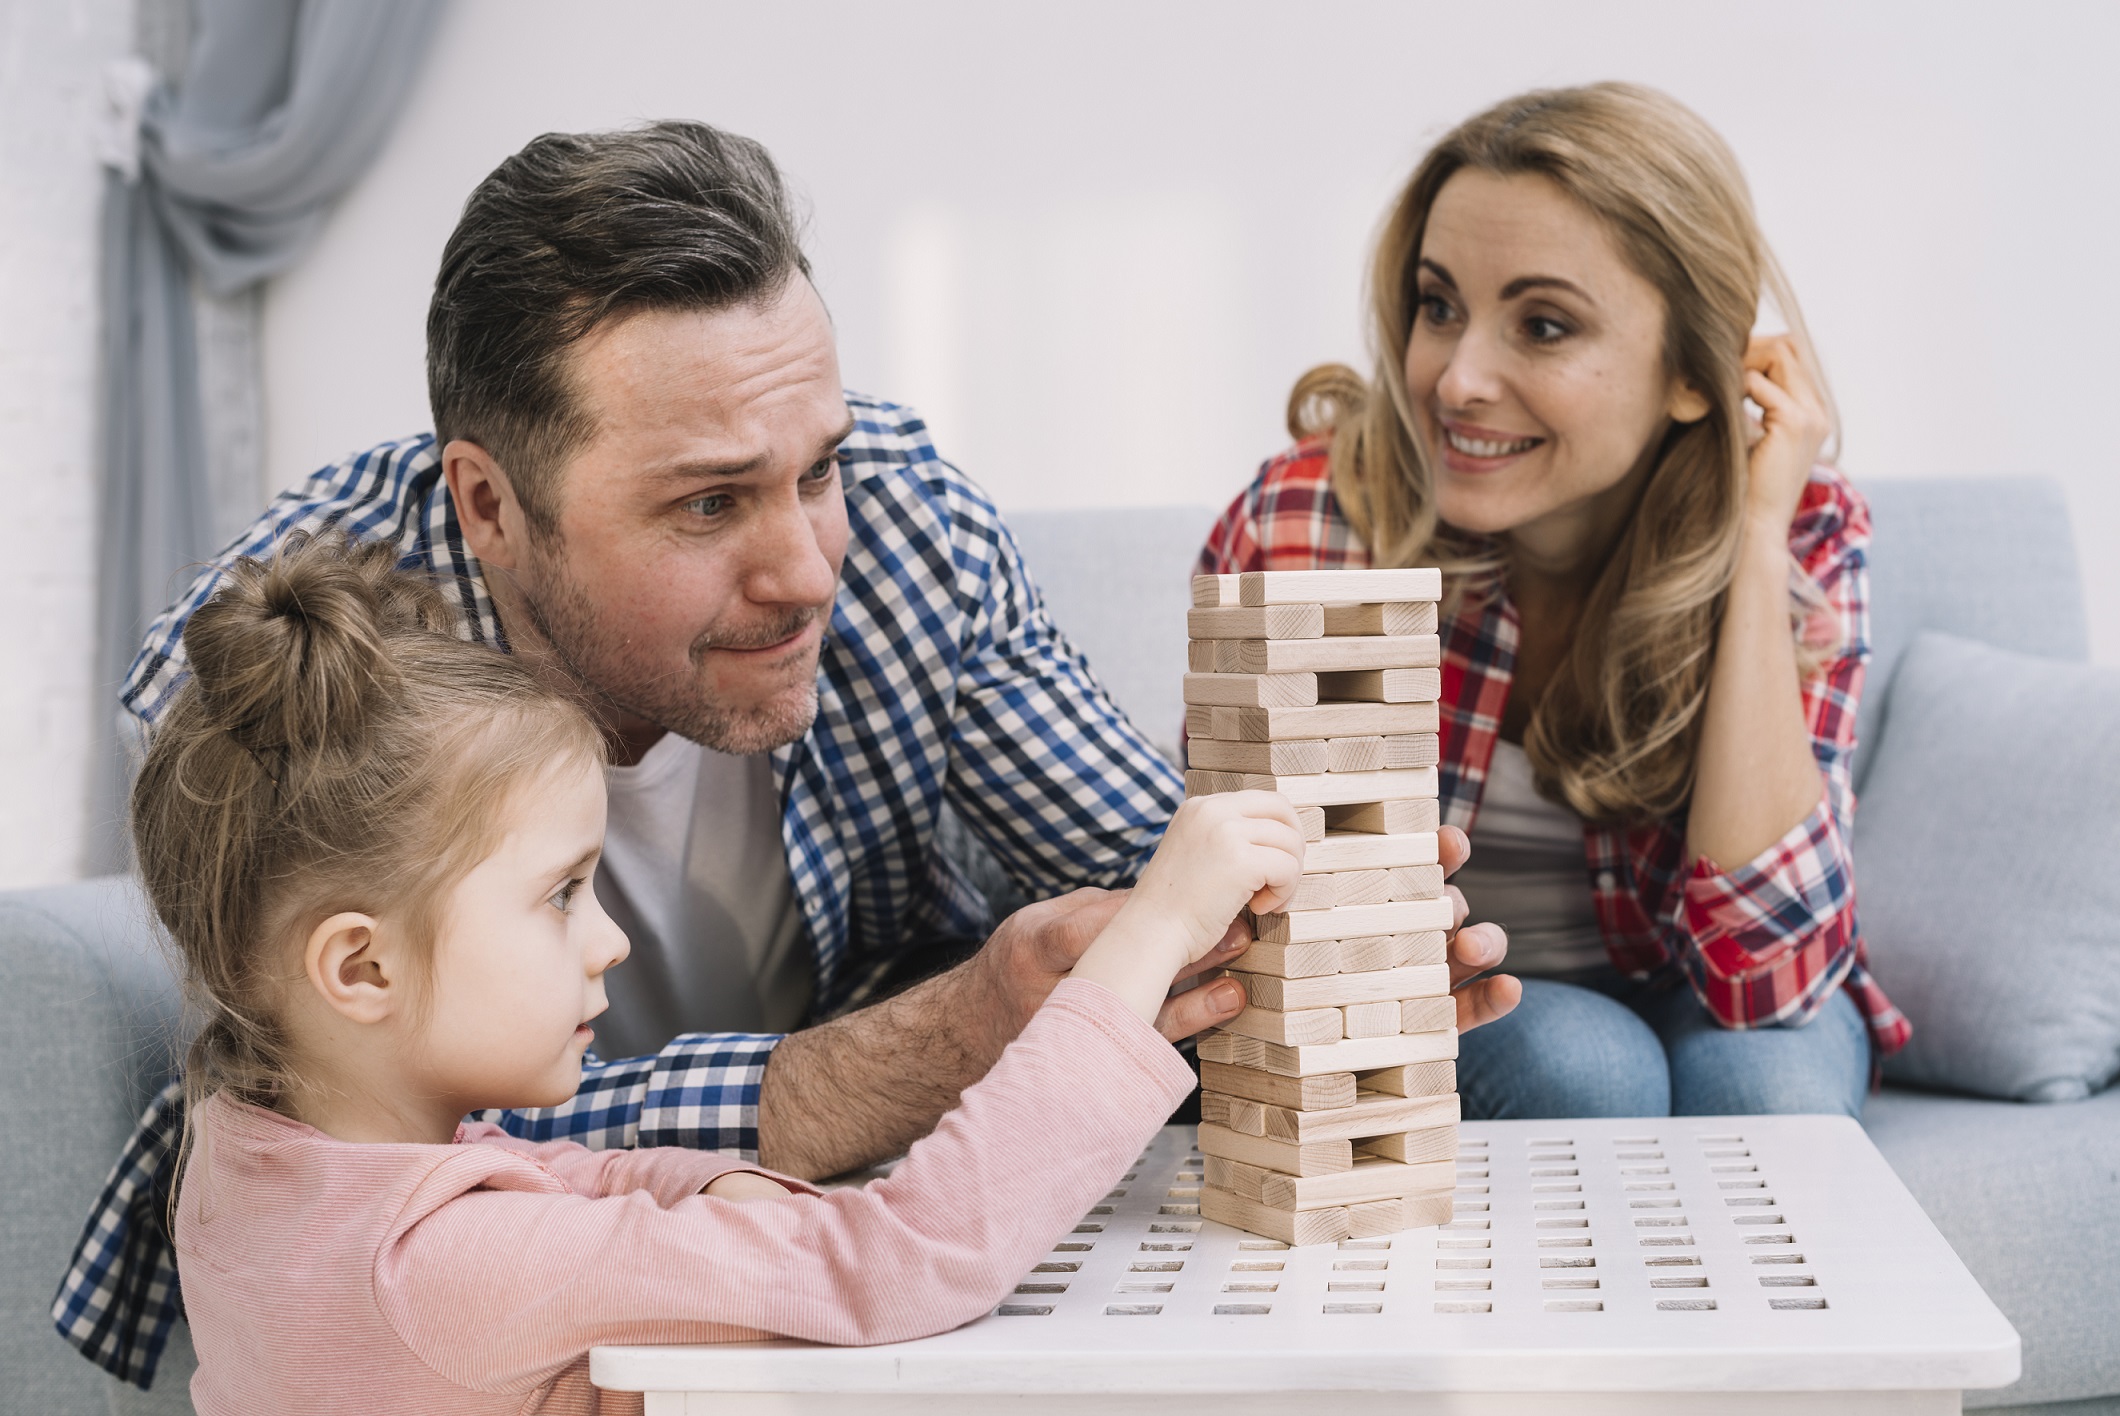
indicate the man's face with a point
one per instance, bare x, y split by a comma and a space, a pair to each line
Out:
701, 529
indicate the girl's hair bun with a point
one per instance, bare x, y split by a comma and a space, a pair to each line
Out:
290, 656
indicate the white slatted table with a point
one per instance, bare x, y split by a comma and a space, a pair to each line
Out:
1738, 1265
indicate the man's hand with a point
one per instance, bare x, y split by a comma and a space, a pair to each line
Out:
1474, 948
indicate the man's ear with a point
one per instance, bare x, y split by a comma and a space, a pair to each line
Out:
352, 968
487, 508
1687, 405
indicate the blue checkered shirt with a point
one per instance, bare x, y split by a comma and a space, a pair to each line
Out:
942, 680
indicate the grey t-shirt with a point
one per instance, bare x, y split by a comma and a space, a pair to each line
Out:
1527, 873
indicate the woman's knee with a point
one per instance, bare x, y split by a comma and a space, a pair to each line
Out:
1563, 1051
1822, 1067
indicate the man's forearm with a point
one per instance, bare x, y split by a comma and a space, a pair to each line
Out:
862, 1088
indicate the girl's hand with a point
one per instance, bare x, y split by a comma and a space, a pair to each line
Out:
1221, 854
745, 1185
1791, 433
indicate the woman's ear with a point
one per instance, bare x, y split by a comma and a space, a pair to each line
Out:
349, 965
1687, 405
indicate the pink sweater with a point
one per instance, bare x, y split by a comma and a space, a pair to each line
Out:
325, 1276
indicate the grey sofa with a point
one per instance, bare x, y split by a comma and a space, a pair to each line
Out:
2029, 1195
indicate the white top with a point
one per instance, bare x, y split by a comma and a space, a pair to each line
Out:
1527, 873
695, 873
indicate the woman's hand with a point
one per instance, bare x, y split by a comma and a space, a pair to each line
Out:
1474, 948
1791, 433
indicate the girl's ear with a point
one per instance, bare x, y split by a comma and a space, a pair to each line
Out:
1687, 404
347, 963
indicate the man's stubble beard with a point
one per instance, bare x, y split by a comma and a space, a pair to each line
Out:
595, 658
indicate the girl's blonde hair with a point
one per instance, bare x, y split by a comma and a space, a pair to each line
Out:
1614, 736
336, 747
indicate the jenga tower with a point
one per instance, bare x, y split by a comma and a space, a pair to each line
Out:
1329, 1106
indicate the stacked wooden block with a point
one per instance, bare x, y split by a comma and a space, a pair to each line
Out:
1329, 1106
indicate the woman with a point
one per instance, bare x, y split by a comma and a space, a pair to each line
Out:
1655, 630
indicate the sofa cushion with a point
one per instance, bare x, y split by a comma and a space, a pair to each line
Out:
1986, 849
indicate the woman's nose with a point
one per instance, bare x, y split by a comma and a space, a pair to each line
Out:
1470, 378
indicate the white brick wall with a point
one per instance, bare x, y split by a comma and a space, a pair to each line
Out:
52, 54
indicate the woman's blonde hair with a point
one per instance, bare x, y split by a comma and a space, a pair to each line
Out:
1614, 735
336, 747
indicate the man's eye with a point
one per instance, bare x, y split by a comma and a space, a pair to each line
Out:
824, 468
708, 506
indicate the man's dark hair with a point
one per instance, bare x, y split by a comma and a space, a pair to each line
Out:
576, 229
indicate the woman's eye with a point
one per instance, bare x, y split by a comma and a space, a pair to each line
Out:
1544, 330
1435, 309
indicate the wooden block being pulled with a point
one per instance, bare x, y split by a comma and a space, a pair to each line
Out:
1354, 921
1210, 590
1307, 1025
1392, 617
1362, 851
1415, 1147
1258, 1058
1397, 1216
1428, 1015
1260, 622
1356, 1020
1381, 686
1417, 1079
1255, 690
1324, 720
1330, 788
1337, 990
1293, 656
1298, 1227
1288, 1157
1200, 656
1314, 892
1290, 960
1406, 750
1371, 1178
1384, 818
1356, 754
1414, 882
1300, 757
1200, 720
1305, 1093
1282, 587
1373, 1114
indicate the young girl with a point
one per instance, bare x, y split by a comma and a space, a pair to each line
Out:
372, 843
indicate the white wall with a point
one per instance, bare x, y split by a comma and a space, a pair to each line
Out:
51, 59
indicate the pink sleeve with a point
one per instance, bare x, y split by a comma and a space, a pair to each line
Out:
496, 1289
668, 1173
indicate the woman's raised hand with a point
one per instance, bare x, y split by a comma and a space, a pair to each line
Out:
1793, 428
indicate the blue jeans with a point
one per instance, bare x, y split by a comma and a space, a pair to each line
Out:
1612, 1047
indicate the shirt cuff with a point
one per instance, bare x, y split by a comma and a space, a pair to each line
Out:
1744, 919
703, 1092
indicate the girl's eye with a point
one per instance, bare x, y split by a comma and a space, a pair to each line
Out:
1544, 330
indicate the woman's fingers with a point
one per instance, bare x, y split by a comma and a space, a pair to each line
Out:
1485, 1000
1475, 949
1452, 849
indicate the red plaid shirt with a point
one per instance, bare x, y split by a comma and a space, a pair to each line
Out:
1765, 943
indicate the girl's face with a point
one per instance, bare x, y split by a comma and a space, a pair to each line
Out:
1536, 361
519, 964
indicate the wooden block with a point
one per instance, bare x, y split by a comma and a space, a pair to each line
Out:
1384, 818
1356, 1020
1282, 587
1373, 952
1381, 686
1414, 1147
1251, 1055
1331, 788
1295, 656
1315, 1092
1427, 1015
1318, 1226
1356, 754
1342, 887
1256, 690
1260, 622
1325, 720
1316, 892
1290, 960
1307, 1025
1337, 990
1288, 1157
1300, 757
1414, 882
1200, 721
1430, 946
1371, 1221
1371, 1178
1373, 1114
1239, 1178
1310, 820
1391, 617
1361, 851
1210, 590
1200, 656
1406, 750
1354, 921
1417, 1079
1238, 1113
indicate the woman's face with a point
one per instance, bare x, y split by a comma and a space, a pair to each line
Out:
1536, 361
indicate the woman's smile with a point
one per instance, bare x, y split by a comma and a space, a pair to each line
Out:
1467, 447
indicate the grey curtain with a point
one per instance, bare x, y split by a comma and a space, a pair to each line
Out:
282, 104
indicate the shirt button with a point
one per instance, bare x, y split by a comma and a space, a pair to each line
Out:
1606, 880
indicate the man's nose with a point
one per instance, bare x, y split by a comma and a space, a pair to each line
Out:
785, 565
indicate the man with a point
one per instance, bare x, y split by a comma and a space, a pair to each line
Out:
804, 634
